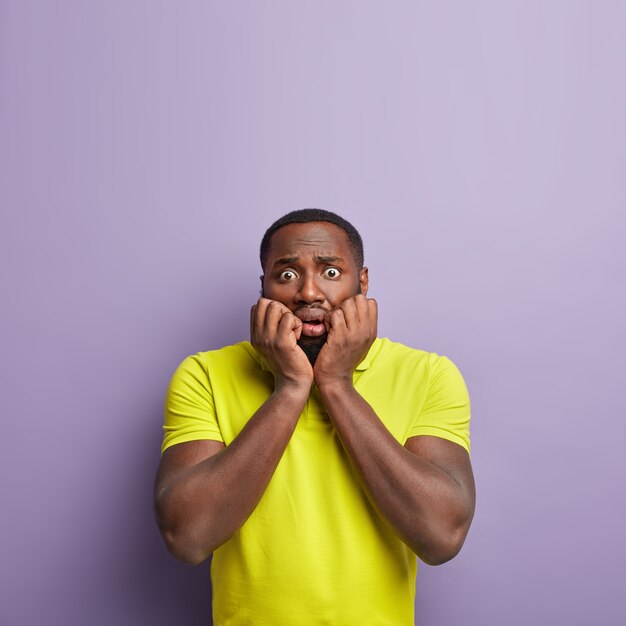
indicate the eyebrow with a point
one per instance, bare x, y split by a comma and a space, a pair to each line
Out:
289, 260
329, 259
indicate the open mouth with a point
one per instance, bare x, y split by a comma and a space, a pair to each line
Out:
312, 322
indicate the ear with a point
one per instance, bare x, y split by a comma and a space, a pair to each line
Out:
364, 280
262, 278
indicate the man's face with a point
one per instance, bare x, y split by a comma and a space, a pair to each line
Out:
310, 268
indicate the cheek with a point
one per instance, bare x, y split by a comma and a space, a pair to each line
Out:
338, 292
282, 293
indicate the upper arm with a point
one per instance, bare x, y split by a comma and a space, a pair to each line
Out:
451, 458
445, 412
191, 430
440, 435
189, 408
182, 456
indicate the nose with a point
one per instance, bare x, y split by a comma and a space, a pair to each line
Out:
309, 291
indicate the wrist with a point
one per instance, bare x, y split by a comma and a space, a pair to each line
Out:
336, 385
290, 389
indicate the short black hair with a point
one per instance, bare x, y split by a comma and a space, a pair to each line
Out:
305, 216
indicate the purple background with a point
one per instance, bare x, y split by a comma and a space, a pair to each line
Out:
145, 146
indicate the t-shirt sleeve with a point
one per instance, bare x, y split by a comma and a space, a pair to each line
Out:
446, 410
189, 408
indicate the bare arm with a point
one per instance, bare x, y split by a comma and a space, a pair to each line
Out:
205, 491
425, 490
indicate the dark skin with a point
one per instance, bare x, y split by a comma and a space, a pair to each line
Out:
424, 489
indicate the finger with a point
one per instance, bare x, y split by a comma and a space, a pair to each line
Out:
348, 307
326, 320
289, 324
373, 315
252, 320
362, 309
336, 321
297, 327
273, 315
259, 316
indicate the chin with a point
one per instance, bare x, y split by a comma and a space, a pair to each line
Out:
311, 347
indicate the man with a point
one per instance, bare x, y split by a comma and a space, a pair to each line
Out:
315, 461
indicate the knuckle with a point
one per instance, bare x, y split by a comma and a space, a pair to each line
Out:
275, 307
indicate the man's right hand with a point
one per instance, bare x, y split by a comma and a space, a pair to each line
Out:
206, 490
274, 332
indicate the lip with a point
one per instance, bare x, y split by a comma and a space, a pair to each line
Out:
312, 321
310, 315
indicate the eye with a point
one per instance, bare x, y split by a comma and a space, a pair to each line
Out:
287, 275
332, 272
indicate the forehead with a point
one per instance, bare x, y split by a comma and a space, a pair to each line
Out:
311, 239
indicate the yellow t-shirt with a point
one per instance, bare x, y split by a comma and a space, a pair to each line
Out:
314, 551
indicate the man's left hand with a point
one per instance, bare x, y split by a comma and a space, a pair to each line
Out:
351, 328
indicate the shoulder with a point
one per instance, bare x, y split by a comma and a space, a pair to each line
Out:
440, 391
198, 369
386, 352
391, 358
238, 354
237, 368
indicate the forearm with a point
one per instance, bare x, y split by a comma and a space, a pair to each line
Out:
203, 505
425, 505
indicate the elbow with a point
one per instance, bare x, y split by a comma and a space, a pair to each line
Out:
446, 537
438, 555
183, 549
442, 548
178, 538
